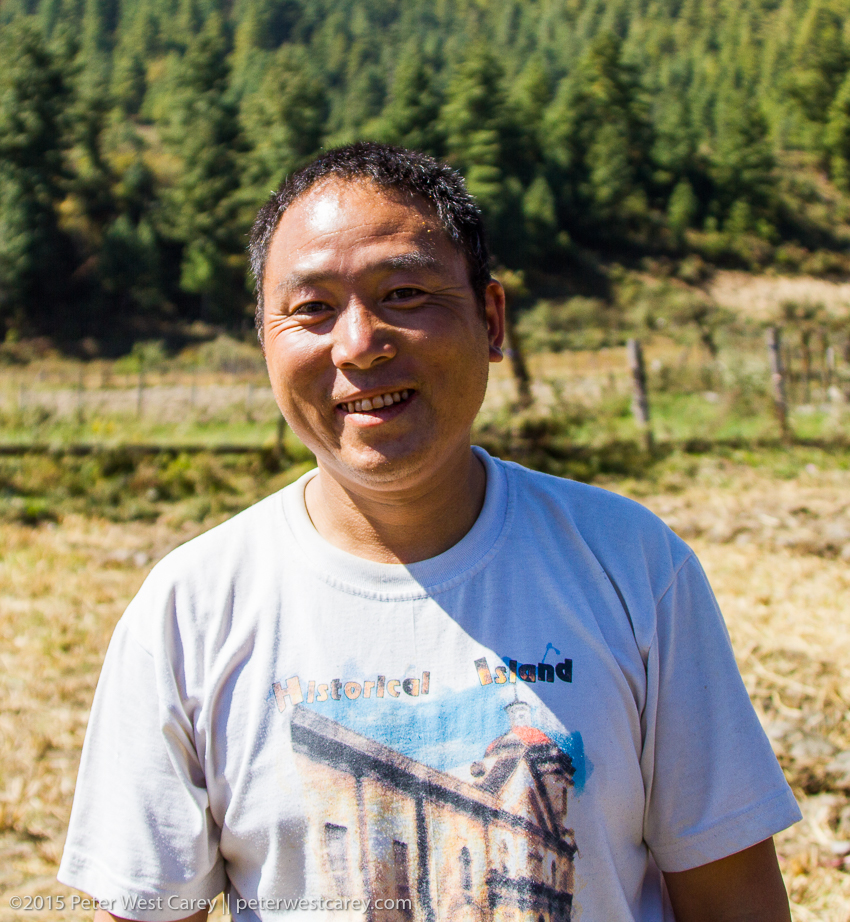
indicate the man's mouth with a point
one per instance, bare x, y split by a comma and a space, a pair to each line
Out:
376, 403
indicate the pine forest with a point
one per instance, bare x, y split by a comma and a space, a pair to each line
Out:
139, 137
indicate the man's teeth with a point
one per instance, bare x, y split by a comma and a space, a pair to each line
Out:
376, 403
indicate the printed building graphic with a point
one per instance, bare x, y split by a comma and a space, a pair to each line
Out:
488, 841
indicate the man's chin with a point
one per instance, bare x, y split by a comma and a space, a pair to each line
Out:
370, 466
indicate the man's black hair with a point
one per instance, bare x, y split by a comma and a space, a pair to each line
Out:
406, 171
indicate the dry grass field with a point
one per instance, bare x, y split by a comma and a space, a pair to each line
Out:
778, 555
777, 551
760, 296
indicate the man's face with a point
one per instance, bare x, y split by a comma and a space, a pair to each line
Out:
376, 346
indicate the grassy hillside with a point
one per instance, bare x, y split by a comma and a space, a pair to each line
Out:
138, 137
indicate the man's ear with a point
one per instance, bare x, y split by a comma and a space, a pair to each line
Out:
494, 312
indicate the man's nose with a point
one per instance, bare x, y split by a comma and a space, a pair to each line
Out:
361, 338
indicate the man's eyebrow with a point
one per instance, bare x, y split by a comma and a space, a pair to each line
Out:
411, 261
296, 280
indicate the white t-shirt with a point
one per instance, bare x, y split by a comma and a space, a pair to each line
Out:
525, 727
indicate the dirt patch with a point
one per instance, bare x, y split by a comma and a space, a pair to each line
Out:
63, 589
776, 553
759, 297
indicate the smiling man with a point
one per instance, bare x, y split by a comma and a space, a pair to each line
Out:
419, 683
377, 348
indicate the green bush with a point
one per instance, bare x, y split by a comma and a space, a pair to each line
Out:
31, 510
226, 355
149, 355
579, 323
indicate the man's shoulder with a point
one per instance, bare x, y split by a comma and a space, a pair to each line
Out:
238, 538
199, 579
190, 599
617, 530
583, 501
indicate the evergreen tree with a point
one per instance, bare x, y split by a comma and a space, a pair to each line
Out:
597, 122
837, 136
676, 138
363, 90
481, 132
742, 164
36, 258
284, 121
530, 96
619, 139
138, 44
130, 252
201, 206
250, 59
564, 148
261, 27
682, 209
603, 140
541, 238
411, 116
820, 64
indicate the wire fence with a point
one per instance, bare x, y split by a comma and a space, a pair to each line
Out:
77, 408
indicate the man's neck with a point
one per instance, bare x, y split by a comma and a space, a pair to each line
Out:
399, 525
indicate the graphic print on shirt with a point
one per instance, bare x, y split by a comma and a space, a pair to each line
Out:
451, 806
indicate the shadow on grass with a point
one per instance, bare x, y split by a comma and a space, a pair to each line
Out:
544, 449
149, 483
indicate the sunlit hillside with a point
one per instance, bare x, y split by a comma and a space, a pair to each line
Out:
138, 138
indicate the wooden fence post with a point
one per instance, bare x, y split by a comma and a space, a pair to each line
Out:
518, 364
81, 384
514, 285
823, 350
281, 429
140, 389
806, 361
789, 376
828, 370
777, 375
640, 400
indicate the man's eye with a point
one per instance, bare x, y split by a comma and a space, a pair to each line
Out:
403, 294
311, 307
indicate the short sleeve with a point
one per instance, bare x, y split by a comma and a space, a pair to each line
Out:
141, 838
713, 784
